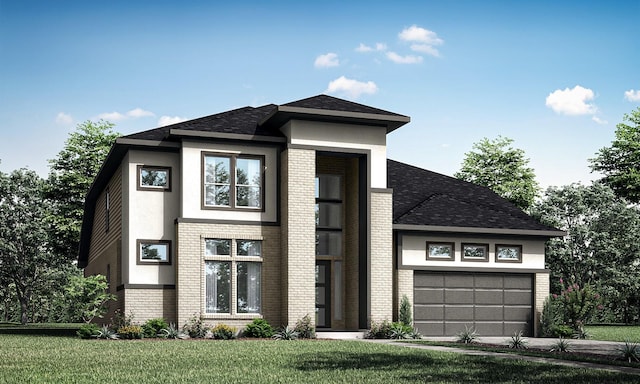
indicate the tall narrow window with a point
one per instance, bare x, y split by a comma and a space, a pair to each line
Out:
217, 181
328, 216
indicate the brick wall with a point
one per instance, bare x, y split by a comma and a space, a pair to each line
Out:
403, 286
541, 293
147, 304
381, 269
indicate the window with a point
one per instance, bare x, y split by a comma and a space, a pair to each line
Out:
475, 252
151, 178
107, 203
328, 212
440, 251
509, 253
229, 268
232, 181
154, 252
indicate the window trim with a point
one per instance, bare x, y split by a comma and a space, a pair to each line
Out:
475, 259
141, 187
233, 158
450, 244
515, 246
139, 259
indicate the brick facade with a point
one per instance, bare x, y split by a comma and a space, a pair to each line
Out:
381, 268
541, 293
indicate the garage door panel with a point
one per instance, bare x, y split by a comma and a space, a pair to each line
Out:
427, 312
462, 296
429, 295
431, 329
428, 280
489, 281
510, 328
458, 313
517, 298
489, 328
458, 281
517, 313
517, 282
489, 313
489, 297
454, 327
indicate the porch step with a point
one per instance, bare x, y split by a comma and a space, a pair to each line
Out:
340, 335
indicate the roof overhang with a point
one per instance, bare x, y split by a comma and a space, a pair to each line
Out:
285, 113
474, 230
225, 136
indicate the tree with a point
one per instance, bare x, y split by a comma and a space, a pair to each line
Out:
502, 168
25, 260
620, 163
70, 177
87, 297
601, 248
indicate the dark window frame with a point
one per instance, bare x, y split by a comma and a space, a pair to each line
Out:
141, 261
450, 244
141, 187
515, 246
476, 259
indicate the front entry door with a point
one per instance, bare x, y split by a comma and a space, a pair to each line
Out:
323, 293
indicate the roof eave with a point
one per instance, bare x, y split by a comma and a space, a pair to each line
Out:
490, 231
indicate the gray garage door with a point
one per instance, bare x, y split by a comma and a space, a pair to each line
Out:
496, 304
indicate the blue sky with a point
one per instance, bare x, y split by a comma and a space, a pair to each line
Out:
555, 76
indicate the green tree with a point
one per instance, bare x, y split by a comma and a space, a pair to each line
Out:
87, 297
620, 163
601, 248
25, 259
71, 174
496, 164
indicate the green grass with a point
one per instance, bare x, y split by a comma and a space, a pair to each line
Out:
33, 359
614, 332
50, 329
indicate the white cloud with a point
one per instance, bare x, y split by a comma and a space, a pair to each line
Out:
599, 120
632, 95
409, 59
574, 101
64, 118
381, 47
168, 120
139, 112
112, 116
423, 40
365, 48
351, 88
327, 61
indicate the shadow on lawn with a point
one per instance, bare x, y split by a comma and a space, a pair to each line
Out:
477, 369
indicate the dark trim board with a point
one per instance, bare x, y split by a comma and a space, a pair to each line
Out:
145, 286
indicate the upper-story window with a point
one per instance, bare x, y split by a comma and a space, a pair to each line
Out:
153, 178
233, 181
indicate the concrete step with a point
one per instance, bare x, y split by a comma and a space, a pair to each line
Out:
340, 335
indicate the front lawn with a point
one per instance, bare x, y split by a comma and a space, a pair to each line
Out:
42, 359
614, 332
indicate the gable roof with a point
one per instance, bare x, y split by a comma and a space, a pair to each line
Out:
335, 104
432, 201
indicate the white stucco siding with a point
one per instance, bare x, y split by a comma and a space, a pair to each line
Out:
334, 135
414, 253
192, 187
151, 216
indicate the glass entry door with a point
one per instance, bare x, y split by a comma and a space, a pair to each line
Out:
323, 293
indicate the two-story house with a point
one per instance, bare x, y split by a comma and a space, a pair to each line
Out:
286, 210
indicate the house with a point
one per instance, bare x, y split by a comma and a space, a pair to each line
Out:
286, 210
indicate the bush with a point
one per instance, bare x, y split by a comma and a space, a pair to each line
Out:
405, 311
223, 332
106, 333
130, 332
119, 320
259, 328
379, 331
87, 331
152, 327
172, 332
400, 331
195, 327
517, 341
468, 336
305, 329
630, 351
286, 333
387, 330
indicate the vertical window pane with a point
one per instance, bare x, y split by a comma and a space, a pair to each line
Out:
217, 180
248, 197
329, 243
249, 293
249, 248
329, 215
217, 286
248, 182
217, 247
337, 289
328, 187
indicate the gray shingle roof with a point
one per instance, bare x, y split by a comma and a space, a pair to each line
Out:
336, 104
422, 197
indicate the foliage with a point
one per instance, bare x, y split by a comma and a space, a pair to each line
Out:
258, 328
577, 304
286, 333
106, 333
405, 311
130, 332
305, 328
378, 330
620, 162
87, 331
517, 341
172, 332
400, 331
388, 330
71, 174
581, 333
601, 248
152, 327
496, 164
630, 351
195, 327
121, 320
468, 336
224, 332
87, 297
562, 345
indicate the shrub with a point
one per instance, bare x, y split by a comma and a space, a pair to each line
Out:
195, 327
223, 332
286, 333
581, 333
517, 341
379, 331
172, 332
87, 331
130, 332
577, 304
630, 351
106, 333
304, 328
387, 330
405, 311
152, 327
119, 320
468, 336
561, 345
259, 328
400, 331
